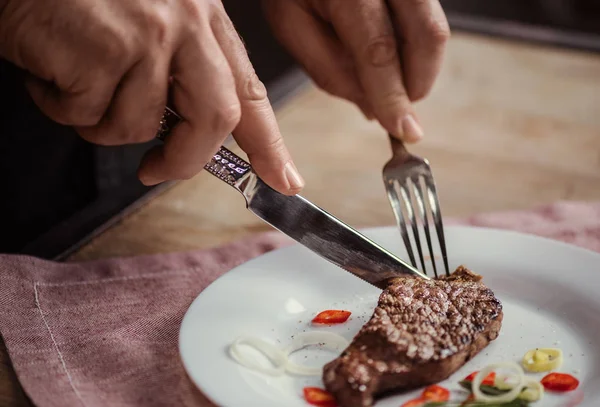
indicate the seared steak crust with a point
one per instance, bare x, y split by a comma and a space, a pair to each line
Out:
420, 333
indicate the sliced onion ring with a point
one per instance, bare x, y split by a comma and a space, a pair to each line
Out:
272, 352
327, 340
501, 398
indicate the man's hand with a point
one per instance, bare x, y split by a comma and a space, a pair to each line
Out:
107, 66
378, 54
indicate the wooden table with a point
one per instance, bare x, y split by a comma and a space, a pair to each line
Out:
508, 126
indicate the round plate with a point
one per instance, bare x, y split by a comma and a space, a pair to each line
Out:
549, 290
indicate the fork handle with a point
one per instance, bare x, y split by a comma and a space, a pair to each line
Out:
398, 148
225, 165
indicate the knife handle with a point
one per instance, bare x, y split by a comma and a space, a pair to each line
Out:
224, 165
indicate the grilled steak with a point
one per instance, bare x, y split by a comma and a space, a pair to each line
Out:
420, 333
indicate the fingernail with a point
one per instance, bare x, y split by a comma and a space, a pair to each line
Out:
293, 176
411, 130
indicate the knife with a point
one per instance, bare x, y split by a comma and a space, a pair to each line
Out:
302, 220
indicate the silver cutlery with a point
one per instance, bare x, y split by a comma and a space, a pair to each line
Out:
302, 220
412, 194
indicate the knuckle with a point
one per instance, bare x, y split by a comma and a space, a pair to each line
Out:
276, 146
195, 10
218, 18
252, 88
226, 117
382, 50
160, 27
437, 32
117, 49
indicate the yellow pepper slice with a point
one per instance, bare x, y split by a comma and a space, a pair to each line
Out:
542, 360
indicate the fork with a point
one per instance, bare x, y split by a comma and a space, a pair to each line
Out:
411, 189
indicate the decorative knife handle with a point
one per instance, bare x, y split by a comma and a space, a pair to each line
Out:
224, 165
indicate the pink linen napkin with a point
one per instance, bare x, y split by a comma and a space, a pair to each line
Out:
105, 333
577, 223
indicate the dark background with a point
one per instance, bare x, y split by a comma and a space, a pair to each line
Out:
567, 23
57, 191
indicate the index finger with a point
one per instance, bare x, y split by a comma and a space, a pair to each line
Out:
367, 30
257, 133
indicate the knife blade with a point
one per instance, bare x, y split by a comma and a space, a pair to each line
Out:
325, 235
305, 222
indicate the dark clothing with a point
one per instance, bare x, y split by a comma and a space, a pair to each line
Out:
56, 188
45, 169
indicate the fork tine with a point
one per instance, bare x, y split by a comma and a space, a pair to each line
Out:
407, 197
434, 204
416, 181
392, 191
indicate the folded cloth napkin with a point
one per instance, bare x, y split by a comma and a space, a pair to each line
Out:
105, 333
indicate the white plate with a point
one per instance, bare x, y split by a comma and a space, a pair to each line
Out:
550, 292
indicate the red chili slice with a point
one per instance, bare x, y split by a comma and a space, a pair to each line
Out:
420, 402
488, 381
331, 316
319, 397
436, 393
559, 382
